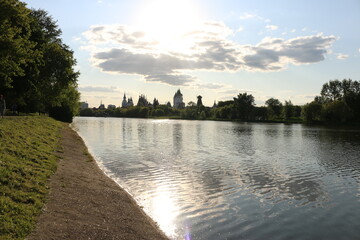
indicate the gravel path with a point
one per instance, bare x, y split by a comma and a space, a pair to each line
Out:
85, 204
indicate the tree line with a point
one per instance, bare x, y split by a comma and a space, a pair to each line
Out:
338, 102
36, 68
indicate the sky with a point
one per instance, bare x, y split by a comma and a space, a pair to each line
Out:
213, 48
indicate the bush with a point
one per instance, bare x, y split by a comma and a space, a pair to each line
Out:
63, 113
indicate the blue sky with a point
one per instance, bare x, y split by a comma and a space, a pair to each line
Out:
216, 49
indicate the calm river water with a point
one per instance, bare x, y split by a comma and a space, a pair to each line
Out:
222, 180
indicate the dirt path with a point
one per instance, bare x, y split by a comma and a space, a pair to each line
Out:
86, 204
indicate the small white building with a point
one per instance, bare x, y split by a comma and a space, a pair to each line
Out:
84, 105
178, 100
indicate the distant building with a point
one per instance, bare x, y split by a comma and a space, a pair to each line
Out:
84, 105
127, 103
130, 102
199, 101
215, 105
102, 106
178, 100
111, 106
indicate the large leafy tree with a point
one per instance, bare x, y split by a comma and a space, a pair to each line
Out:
274, 107
244, 104
45, 77
16, 49
288, 110
311, 112
337, 93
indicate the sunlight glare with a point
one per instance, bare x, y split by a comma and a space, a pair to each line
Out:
165, 211
168, 21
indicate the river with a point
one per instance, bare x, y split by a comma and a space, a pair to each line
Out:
204, 180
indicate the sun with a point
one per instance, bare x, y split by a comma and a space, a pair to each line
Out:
168, 21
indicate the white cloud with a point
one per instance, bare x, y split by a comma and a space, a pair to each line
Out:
209, 86
124, 50
76, 39
342, 56
359, 49
235, 92
240, 29
106, 89
274, 54
271, 27
248, 16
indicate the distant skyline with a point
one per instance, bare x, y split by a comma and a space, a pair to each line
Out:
216, 49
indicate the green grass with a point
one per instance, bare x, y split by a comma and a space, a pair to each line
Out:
28, 158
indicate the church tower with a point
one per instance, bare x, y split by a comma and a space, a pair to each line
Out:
178, 100
124, 102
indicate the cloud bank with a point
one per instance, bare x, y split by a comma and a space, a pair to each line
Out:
124, 50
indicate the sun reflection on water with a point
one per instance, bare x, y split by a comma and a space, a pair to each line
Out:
165, 210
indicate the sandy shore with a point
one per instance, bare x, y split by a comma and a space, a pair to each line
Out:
85, 204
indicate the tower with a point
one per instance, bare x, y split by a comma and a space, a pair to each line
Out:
124, 102
178, 100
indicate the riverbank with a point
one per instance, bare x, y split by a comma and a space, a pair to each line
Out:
28, 157
81, 201
85, 204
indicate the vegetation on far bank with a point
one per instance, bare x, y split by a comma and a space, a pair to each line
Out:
27, 159
338, 103
36, 68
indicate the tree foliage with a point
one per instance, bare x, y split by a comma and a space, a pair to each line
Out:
341, 100
244, 104
274, 107
312, 112
37, 68
288, 110
142, 102
16, 48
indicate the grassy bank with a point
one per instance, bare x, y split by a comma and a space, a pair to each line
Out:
28, 148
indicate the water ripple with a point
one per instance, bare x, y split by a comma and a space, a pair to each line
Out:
221, 180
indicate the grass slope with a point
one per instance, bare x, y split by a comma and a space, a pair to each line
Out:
28, 158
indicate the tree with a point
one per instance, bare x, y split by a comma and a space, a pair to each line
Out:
44, 78
312, 112
337, 112
244, 104
260, 113
288, 110
226, 112
274, 108
347, 91
332, 91
16, 49
142, 102
297, 111
225, 103
155, 103
191, 104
